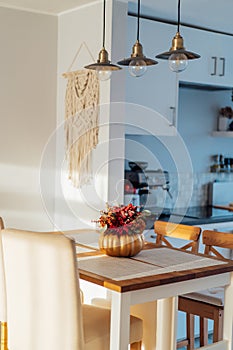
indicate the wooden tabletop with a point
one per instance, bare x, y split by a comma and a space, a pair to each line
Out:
150, 268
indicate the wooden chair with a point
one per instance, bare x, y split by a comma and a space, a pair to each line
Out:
3, 317
1, 224
165, 229
191, 234
209, 304
43, 304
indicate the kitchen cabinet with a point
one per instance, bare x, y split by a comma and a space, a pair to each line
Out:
157, 89
215, 67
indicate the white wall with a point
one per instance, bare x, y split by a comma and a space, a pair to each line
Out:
78, 207
27, 114
118, 108
36, 50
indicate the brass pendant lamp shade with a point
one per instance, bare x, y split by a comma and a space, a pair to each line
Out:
178, 47
177, 50
137, 56
103, 63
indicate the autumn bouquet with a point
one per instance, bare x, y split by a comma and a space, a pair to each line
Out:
123, 219
226, 112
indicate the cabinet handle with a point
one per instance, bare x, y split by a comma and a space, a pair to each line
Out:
173, 109
215, 65
223, 66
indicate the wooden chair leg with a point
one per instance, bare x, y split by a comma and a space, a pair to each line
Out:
218, 325
190, 331
203, 331
136, 346
205, 311
182, 343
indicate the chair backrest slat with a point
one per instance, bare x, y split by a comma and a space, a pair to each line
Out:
186, 232
212, 239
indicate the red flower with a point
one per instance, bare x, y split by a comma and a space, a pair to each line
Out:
123, 218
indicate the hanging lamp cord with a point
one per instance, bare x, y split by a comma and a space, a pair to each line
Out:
178, 24
138, 20
104, 23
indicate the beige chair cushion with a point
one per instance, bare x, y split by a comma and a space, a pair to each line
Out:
96, 322
213, 296
146, 312
101, 302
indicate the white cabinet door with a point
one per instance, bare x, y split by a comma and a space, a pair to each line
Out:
157, 89
215, 67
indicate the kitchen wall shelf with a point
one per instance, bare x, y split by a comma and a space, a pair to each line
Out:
222, 134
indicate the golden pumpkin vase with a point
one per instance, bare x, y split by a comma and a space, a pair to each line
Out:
116, 243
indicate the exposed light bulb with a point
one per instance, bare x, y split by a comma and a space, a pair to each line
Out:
178, 62
104, 75
137, 68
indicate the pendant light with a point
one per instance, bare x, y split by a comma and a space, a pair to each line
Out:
137, 62
103, 66
177, 55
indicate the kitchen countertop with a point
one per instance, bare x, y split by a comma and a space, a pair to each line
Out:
192, 216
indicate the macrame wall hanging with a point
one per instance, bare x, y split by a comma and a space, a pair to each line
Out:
81, 121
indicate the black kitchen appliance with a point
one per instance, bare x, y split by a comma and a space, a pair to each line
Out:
144, 183
136, 182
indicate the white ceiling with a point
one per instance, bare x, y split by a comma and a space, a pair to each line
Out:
213, 14
53, 7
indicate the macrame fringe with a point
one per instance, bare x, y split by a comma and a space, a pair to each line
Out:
82, 124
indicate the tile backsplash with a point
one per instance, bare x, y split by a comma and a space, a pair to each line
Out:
190, 190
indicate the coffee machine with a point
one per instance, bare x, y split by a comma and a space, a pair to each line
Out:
136, 188
146, 188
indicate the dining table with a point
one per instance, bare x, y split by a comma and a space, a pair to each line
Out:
156, 274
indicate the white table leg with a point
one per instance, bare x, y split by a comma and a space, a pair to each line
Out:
166, 323
228, 314
120, 321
